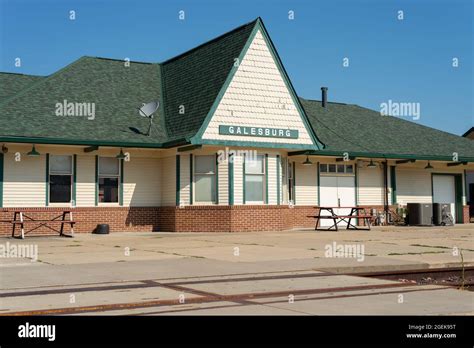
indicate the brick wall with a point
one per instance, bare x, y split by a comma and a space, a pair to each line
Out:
172, 219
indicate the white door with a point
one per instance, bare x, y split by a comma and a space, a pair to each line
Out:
336, 191
444, 191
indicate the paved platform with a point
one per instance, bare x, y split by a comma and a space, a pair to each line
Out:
294, 272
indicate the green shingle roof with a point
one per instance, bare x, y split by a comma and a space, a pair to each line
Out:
193, 80
355, 129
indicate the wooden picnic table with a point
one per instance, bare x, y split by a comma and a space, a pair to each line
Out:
24, 217
356, 213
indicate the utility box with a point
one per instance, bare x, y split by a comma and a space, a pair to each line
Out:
420, 214
442, 214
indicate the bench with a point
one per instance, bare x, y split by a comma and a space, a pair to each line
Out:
337, 219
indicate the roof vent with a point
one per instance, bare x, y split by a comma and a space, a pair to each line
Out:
324, 96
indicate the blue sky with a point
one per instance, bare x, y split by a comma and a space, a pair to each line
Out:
407, 60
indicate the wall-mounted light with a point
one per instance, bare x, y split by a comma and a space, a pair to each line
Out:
121, 155
371, 164
33, 152
307, 162
4, 149
429, 166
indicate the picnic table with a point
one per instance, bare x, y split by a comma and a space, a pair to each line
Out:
22, 217
356, 213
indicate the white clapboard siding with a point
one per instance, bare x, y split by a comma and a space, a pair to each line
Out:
238, 180
24, 181
141, 184
371, 186
257, 96
184, 180
168, 181
223, 181
272, 179
85, 182
306, 189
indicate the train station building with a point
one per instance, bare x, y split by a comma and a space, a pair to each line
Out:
231, 146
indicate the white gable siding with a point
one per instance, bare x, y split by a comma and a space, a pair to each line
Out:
371, 186
85, 182
24, 181
257, 96
141, 186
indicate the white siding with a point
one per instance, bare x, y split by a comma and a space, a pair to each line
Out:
272, 179
306, 189
168, 182
371, 185
238, 180
85, 183
141, 186
24, 181
223, 182
184, 180
413, 186
257, 96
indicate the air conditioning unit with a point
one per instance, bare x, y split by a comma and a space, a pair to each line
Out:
420, 214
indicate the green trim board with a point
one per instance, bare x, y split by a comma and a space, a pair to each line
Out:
231, 179
197, 138
178, 178
278, 178
74, 180
265, 132
2, 161
318, 175
217, 178
266, 178
458, 192
253, 144
191, 178
47, 179
393, 183
96, 180
294, 183
356, 184
122, 173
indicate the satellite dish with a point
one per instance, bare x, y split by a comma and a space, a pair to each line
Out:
147, 110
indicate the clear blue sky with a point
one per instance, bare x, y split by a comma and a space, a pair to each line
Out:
405, 61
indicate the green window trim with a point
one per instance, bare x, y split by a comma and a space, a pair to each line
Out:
294, 183
191, 179
356, 183
121, 182
318, 176
231, 180
47, 179
266, 178
1, 179
96, 180
393, 183
278, 164
178, 178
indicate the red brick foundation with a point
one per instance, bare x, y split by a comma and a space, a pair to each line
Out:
466, 215
174, 219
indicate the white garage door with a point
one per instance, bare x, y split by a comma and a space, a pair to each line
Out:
336, 191
444, 191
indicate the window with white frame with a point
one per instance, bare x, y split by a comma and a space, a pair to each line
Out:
336, 168
60, 179
109, 178
254, 179
205, 179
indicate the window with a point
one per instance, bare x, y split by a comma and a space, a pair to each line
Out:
339, 168
205, 179
254, 179
109, 176
60, 179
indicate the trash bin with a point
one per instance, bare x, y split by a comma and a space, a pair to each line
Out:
102, 229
